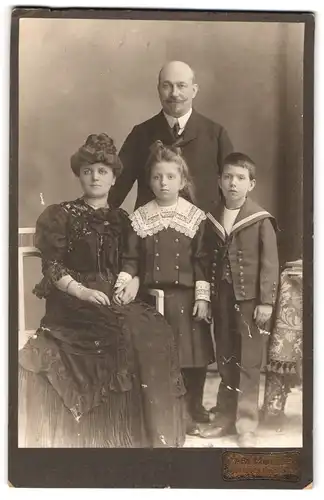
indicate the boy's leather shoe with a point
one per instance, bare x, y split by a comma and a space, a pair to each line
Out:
200, 414
192, 429
213, 430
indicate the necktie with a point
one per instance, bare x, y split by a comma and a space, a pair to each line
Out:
176, 129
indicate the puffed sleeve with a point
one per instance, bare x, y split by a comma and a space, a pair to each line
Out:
200, 256
269, 269
51, 240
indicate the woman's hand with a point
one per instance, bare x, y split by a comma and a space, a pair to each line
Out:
127, 293
201, 309
123, 279
69, 285
262, 314
93, 296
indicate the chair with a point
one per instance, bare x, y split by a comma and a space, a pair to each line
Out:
27, 249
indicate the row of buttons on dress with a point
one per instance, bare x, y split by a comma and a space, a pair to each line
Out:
158, 255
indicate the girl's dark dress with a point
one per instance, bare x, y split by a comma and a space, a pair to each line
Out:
94, 375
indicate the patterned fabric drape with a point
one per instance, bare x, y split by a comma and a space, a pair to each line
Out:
286, 342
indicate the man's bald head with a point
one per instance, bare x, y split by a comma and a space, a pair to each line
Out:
177, 88
177, 67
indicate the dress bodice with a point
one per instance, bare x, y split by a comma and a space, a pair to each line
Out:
76, 239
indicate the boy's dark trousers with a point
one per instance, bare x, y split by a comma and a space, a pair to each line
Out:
239, 352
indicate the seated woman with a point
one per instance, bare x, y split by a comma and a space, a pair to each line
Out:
100, 371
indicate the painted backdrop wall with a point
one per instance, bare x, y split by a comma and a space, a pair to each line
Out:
78, 77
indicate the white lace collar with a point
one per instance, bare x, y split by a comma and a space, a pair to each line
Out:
184, 217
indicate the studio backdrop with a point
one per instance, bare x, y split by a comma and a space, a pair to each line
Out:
78, 77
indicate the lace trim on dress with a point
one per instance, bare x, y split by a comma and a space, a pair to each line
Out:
56, 270
202, 291
53, 272
150, 219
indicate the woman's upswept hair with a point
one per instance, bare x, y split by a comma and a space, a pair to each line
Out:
160, 153
98, 148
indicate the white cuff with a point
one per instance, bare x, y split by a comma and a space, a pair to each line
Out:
123, 278
202, 291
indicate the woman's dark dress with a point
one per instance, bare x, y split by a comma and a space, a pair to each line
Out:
94, 375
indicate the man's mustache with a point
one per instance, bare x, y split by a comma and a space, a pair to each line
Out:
175, 100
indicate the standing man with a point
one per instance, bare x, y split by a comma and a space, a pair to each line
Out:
204, 143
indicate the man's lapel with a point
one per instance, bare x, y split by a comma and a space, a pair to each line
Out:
161, 130
190, 131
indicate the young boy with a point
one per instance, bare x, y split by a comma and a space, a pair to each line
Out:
244, 272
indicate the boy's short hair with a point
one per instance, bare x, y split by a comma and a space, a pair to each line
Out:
239, 160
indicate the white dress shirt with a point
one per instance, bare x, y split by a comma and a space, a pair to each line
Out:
182, 120
229, 217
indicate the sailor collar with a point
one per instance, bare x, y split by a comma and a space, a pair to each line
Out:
249, 213
150, 219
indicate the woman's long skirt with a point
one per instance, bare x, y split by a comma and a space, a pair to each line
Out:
129, 388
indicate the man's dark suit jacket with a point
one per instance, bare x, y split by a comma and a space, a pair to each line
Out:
204, 145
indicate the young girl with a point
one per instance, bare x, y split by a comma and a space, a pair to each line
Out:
165, 250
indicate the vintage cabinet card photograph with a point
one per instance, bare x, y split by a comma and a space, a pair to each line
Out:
161, 206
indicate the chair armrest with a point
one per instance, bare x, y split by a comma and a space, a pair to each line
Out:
159, 299
23, 252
